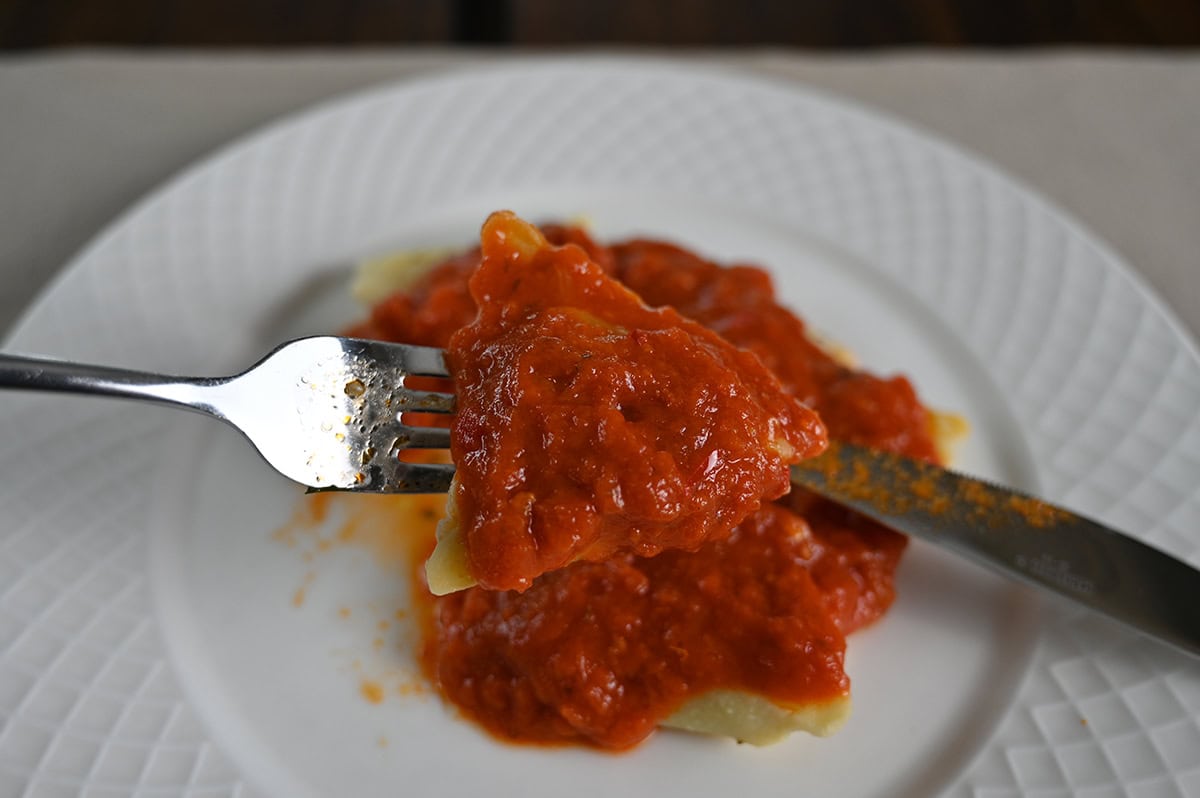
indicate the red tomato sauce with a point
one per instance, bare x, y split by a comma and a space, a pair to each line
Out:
600, 652
588, 424
738, 303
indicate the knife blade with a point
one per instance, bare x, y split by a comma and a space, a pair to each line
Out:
1017, 535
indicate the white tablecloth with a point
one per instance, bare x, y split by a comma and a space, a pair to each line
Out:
1112, 137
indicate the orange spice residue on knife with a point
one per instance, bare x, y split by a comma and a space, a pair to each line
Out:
894, 486
1038, 514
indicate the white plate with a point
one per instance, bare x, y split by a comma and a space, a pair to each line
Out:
135, 537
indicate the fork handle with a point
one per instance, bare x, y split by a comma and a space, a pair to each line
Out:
64, 376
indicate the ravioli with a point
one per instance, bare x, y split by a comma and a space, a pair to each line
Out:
838, 566
733, 639
755, 719
589, 424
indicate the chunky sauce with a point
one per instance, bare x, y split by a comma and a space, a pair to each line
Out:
588, 424
601, 652
738, 302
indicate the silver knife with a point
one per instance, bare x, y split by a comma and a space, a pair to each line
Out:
1018, 535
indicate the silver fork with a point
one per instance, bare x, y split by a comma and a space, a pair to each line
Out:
323, 411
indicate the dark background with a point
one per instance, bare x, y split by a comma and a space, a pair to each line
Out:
33, 24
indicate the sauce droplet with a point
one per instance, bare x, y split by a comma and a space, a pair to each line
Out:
372, 691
